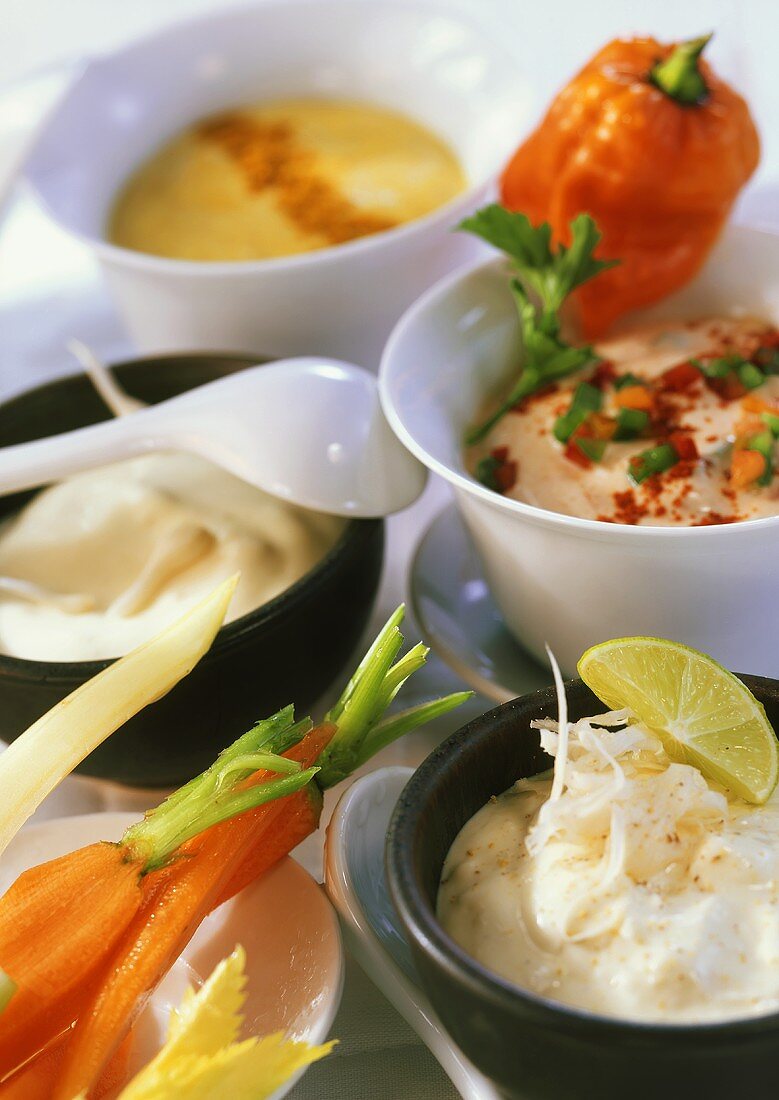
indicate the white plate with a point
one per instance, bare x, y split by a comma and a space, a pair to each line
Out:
284, 922
459, 619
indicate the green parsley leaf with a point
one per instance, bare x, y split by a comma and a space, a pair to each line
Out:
544, 279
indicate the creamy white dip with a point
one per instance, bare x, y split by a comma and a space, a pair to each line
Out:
694, 493
139, 542
639, 890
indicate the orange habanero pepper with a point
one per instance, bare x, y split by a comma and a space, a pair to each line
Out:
655, 147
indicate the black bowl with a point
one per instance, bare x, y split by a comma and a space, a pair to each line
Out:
289, 650
532, 1047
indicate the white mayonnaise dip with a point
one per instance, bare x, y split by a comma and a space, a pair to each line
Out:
640, 890
140, 542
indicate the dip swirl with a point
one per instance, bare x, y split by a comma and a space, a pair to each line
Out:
702, 392
639, 890
136, 543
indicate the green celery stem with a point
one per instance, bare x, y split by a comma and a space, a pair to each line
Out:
679, 76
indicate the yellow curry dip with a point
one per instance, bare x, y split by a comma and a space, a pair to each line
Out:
277, 179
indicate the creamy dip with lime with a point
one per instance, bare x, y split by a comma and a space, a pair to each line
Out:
275, 179
632, 887
691, 395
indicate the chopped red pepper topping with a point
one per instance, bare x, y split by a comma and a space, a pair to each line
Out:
684, 445
603, 375
506, 476
679, 378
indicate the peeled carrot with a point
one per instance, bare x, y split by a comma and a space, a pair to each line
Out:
33, 1081
59, 922
178, 901
240, 834
298, 818
95, 892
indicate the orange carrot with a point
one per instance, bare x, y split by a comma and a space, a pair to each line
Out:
754, 404
635, 397
60, 922
298, 818
178, 900
34, 1080
746, 467
95, 893
236, 832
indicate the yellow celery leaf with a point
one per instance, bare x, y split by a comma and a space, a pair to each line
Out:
201, 1058
251, 1070
210, 1018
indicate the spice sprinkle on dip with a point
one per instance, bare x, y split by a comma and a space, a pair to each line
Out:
665, 425
276, 179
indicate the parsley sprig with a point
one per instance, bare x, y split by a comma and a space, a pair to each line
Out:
544, 279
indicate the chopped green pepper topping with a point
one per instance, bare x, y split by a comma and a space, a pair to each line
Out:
656, 460
771, 421
719, 368
486, 471
628, 379
586, 399
592, 448
750, 376
763, 443
768, 360
630, 423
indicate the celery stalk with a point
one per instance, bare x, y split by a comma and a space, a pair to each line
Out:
50, 749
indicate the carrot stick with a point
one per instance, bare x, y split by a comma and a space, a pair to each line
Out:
241, 833
94, 892
60, 922
179, 898
298, 818
33, 1080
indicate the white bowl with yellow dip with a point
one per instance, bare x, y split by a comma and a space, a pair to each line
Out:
281, 178
574, 580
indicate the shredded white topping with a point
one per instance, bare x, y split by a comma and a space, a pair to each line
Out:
615, 807
621, 881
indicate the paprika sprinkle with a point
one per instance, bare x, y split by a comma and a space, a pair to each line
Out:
655, 147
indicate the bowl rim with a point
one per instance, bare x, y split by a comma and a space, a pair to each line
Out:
447, 213
429, 937
355, 534
544, 517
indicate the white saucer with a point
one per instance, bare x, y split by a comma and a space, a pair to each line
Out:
457, 615
356, 884
294, 956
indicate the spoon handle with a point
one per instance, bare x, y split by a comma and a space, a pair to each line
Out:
28, 465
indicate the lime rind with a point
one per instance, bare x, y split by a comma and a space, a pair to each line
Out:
704, 714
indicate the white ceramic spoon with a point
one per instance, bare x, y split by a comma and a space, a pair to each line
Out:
356, 885
308, 430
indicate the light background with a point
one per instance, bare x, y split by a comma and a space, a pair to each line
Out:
49, 291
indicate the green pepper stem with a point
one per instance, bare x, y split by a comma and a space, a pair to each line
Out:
679, 76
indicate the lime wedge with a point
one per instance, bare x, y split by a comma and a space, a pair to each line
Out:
703, 713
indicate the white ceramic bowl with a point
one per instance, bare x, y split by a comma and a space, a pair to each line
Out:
433, 65
573, 582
